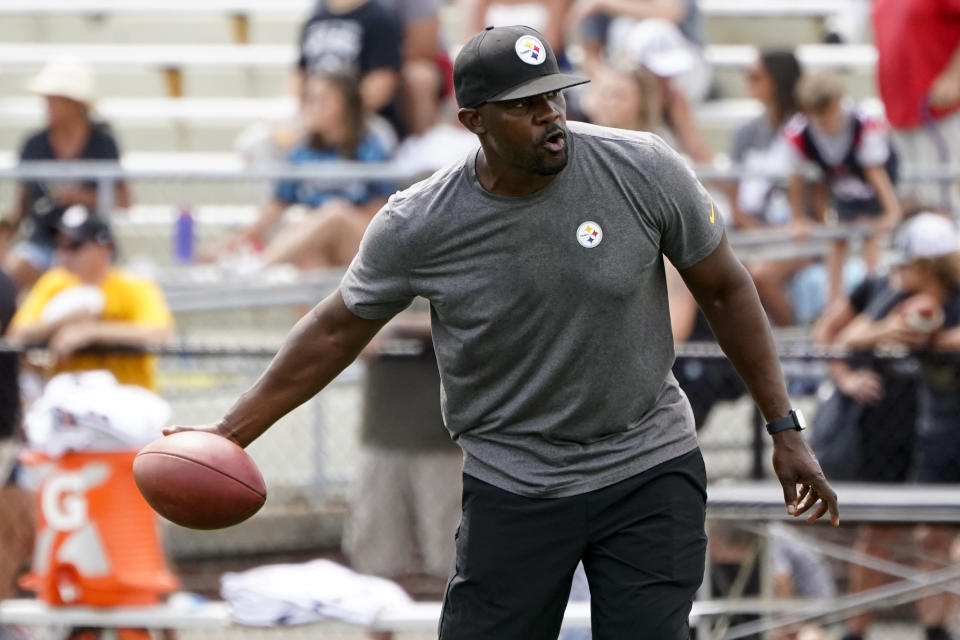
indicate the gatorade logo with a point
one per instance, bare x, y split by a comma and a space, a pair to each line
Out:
63, 501
70, 543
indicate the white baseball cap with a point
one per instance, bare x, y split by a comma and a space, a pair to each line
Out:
66, 77
659, 45
925, 235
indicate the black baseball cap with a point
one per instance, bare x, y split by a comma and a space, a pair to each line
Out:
506, 63
78, 224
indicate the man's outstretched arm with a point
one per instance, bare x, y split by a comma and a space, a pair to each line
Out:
728, 298
316, 350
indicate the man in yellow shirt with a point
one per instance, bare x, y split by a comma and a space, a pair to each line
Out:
87, 302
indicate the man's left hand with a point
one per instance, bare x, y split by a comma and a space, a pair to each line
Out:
795, 464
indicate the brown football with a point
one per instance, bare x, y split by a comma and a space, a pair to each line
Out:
199, 480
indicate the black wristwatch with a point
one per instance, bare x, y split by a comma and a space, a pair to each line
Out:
793, 420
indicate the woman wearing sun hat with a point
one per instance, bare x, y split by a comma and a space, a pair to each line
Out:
69, 134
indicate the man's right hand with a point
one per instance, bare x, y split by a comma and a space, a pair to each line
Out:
216, 428
795, 464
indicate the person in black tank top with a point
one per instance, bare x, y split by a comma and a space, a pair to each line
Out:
69, 134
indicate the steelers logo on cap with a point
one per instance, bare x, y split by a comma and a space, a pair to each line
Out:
530, 50
589, 234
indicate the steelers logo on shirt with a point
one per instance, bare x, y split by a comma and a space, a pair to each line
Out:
589, 234
530, 50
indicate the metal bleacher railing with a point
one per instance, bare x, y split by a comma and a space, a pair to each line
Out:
106, 174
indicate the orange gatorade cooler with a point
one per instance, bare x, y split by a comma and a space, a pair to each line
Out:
97, 542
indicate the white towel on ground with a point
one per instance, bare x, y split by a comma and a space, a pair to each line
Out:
300, 593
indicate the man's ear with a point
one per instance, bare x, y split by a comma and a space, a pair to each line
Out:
472, 120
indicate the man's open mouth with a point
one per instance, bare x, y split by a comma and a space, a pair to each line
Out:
555, 141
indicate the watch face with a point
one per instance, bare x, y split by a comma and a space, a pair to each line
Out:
801, 421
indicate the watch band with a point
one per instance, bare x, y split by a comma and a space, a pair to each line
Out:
793, 420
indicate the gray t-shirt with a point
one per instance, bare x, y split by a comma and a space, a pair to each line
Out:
549, 311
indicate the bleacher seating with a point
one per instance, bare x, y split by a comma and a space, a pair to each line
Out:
204, 124
180, 80
727, 8
229, 60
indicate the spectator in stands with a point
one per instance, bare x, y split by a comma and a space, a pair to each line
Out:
918, 76
853, 152
929, 247
640, 101
798, 571
885, 389
16, 506
426, 73
549, 17
885, 420
899, 416
361, 38
408, 484
667, 36
757, 199
434, 137
87, 302
335, 130
70, 134
657, 53
929, 251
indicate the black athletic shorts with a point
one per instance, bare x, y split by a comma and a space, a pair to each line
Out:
642, 543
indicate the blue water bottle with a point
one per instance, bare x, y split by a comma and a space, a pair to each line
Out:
183, 237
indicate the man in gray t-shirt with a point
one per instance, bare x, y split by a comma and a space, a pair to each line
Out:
542, 306
541, 255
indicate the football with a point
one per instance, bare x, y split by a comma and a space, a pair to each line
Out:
199, 480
